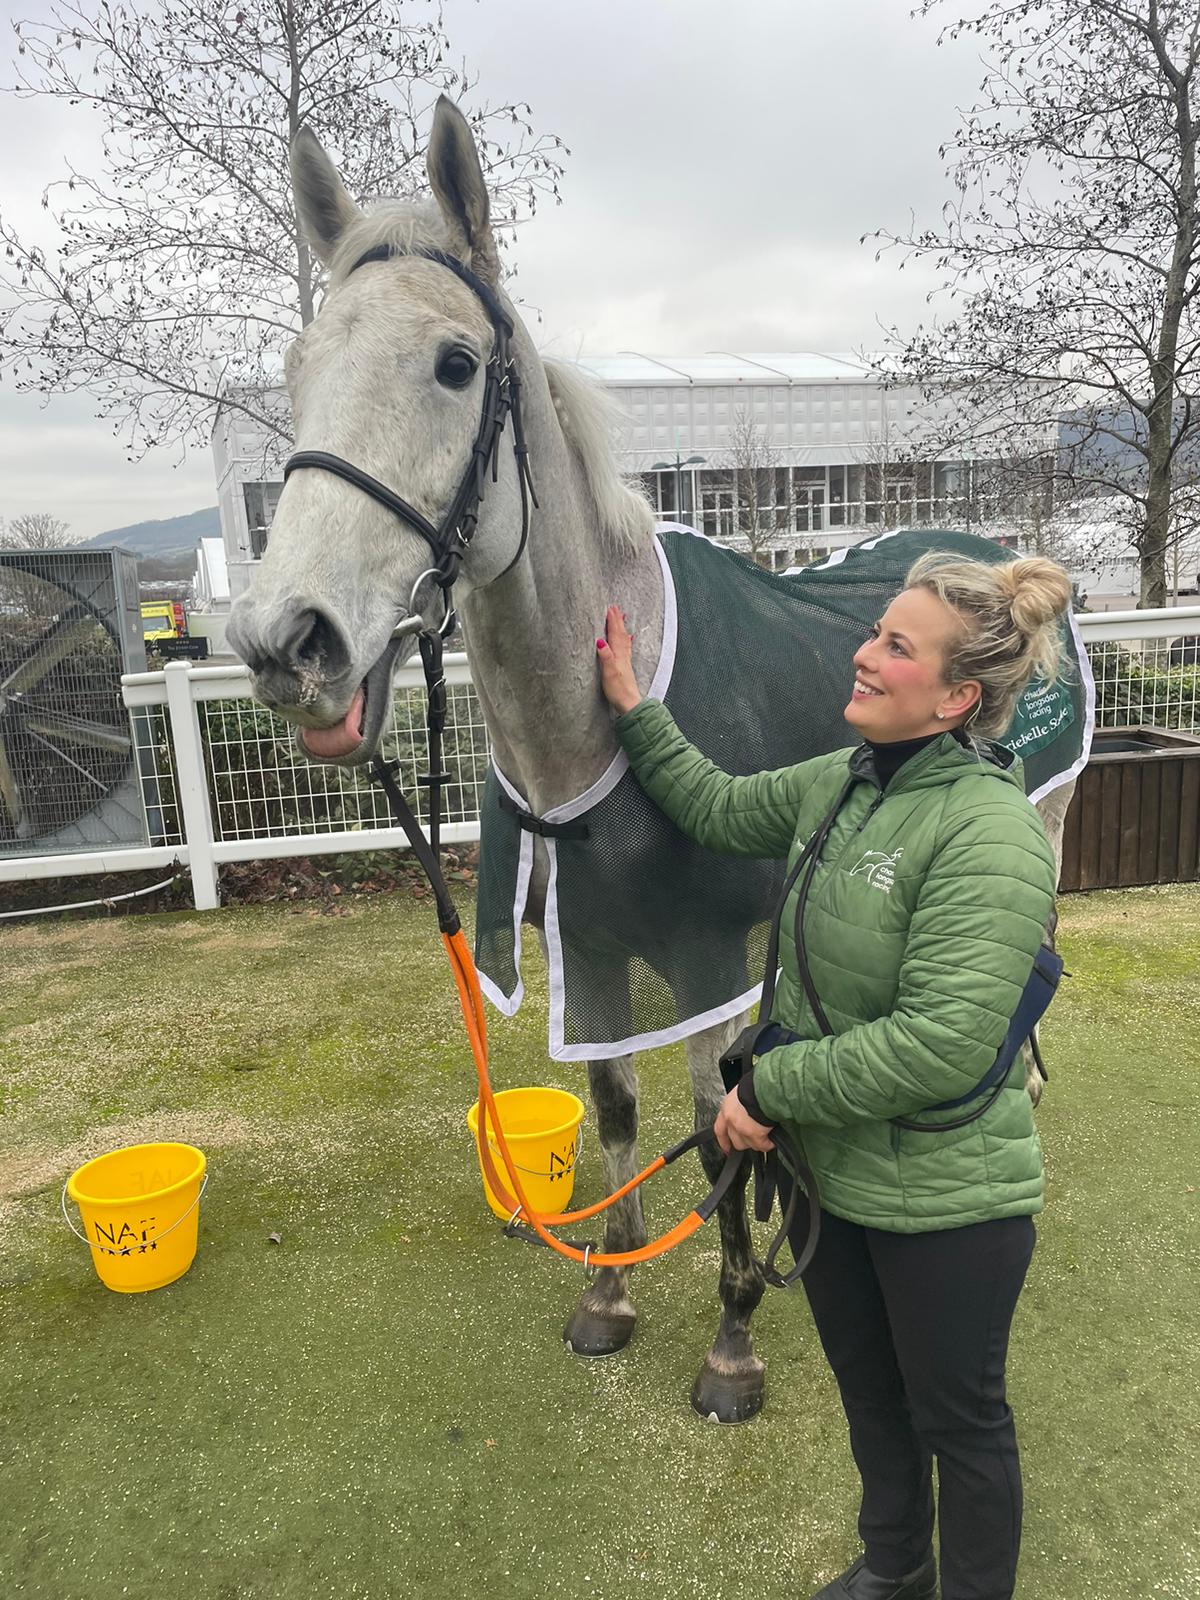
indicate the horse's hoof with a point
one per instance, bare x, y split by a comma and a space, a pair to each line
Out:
735, 1395
594, 1334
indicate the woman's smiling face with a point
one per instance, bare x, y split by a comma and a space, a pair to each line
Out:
898, 684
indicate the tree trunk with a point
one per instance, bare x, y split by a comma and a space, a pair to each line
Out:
304, 273
1152, 547
1164, 374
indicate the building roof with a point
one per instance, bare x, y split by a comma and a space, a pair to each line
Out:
632, 367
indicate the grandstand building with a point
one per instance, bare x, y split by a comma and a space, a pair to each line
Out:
785, 456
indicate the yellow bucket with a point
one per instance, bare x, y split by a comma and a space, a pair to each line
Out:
140, 1209
541, 1129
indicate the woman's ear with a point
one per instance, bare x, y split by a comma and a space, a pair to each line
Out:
962, 702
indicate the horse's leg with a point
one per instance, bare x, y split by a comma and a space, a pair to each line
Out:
729, 1386
1052, 809
602, 1322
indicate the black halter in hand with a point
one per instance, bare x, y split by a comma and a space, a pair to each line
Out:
451, 539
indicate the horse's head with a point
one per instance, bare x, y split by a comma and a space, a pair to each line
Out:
391, 379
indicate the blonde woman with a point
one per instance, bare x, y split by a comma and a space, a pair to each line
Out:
919, 930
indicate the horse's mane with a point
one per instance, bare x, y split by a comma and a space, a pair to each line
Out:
589, 419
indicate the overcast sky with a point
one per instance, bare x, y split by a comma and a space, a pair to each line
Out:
726, 157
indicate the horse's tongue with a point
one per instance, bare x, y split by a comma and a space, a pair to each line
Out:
333, 743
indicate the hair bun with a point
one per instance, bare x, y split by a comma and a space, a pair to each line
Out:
1038, 591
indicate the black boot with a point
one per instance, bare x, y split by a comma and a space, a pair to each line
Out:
860, 1583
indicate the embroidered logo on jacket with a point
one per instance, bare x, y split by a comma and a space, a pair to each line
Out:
878, 868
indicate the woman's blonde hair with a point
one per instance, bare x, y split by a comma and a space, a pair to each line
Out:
1010, 628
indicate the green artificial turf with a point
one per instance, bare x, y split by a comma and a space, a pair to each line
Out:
380, 1405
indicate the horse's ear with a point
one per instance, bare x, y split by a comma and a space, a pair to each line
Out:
456, 178
322, 204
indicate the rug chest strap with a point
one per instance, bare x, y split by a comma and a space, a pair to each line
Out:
546, 830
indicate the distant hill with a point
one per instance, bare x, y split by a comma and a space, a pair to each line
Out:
173, 536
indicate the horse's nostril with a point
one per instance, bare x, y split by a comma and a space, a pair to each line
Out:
318, 643
287, 639
299, 639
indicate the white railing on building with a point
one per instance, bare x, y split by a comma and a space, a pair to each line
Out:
222, 782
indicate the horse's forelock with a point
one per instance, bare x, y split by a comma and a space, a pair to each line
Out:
405, 225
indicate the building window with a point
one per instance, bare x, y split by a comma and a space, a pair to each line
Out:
261, 501
837, 497
808, 492
718, 505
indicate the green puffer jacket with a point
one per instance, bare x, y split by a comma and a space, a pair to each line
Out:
921, 926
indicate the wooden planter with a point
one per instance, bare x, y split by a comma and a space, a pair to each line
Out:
1135, 815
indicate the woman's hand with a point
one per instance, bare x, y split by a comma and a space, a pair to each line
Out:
736, 1129
616, 663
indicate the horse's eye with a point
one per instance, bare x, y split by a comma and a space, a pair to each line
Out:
456, 368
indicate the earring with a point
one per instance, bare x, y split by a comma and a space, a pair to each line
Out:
941, 716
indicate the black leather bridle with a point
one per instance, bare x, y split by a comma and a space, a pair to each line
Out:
451, 539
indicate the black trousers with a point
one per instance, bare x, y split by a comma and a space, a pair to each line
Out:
915, 1327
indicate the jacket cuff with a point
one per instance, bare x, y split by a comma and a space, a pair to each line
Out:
638, 728
749, 1100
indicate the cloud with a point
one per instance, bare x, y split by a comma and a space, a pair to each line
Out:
59, 458
725, 161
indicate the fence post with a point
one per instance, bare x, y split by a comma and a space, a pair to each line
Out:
192, 785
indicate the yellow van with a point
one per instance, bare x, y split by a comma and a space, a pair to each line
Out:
163, 619
165, 630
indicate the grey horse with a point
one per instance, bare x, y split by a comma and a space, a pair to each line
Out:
390, 376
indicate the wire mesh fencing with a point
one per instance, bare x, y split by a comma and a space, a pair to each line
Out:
261, 787
1147, 682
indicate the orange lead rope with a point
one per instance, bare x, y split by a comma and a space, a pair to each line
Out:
470, 999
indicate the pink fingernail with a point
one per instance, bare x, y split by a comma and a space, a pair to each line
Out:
599, 644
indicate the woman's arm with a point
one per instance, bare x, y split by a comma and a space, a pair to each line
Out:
976, 929
753, 816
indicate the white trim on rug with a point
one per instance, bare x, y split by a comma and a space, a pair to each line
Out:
1089, 717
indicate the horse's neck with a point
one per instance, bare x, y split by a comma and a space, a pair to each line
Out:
531, 637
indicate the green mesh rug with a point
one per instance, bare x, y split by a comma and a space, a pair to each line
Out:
755, 668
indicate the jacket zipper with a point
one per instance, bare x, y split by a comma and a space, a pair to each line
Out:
821, 860
870, 812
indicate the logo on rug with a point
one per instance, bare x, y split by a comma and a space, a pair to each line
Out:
878, 868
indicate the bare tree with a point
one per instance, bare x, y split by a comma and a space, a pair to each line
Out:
1071, 255
181, 274
34, 530
755, 471
21, 591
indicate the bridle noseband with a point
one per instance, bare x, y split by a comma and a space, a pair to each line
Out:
451, 539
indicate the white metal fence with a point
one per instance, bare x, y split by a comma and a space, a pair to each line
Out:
221, 780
